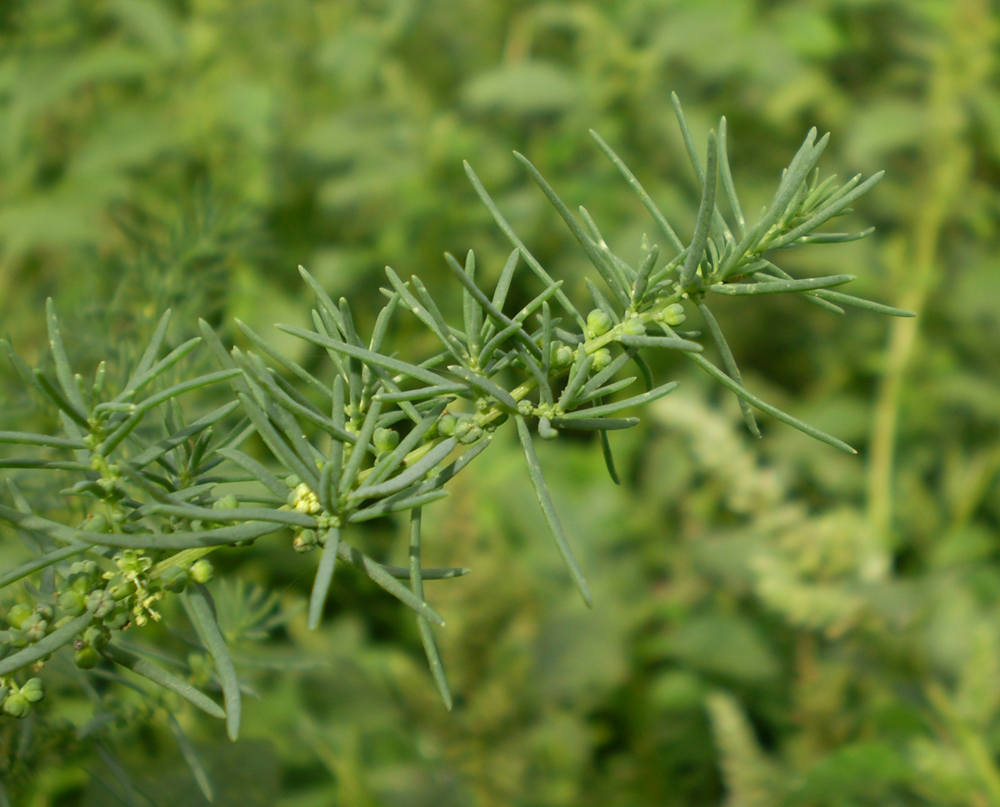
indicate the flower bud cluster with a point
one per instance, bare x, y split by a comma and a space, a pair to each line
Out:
116, 598
461, 426
302, 498
672, 315
18, 700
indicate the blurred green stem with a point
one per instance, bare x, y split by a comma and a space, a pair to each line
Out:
947, 160
974, 745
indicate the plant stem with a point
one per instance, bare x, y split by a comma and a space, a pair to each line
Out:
947, 158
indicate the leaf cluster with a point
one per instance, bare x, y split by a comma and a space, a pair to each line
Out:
385, 435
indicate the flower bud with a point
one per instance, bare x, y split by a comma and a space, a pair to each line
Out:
201, 571
562, 355
35, 627
633, 326
101, 602
16, 705
305, 541
673, 314
86, 658
385, 439
598, 323
545, 430
81, 583
96, 636
601, 359
72, 601
33, 690
118, 590
18, 613
227, 502
87, 568
446, 424
474, 433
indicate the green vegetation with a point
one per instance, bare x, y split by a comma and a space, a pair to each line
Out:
775, 622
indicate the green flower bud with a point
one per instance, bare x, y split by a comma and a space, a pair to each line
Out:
673, 314
86, 568
201, 571
227, 502
598, 323
446, 424
525, 408
562, 355
35, 627
463, 427
385, 439
72, 601
101, 602
112, 490
119, 590
545, 430
292, 481
86, 658
327, 521
601, 359
82, 575
96, 636
33, 690
473, 434
633, 326
18, 613
133, 562
44, 610
305, 541
80, 583
16, 705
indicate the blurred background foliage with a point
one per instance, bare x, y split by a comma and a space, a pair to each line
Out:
776, 624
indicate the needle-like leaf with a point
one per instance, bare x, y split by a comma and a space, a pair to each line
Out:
549, 510
202, 612
426, 635
706, 210
324, 575
729, 362
161, 677
508, 231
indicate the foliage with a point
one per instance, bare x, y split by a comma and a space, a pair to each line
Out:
156, 505
330, 133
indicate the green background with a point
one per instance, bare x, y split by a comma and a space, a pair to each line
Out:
776, 624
